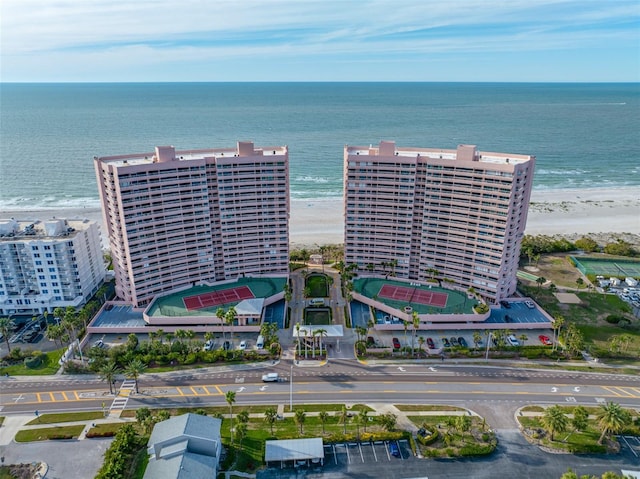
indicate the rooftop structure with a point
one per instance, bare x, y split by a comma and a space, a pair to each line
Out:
179, 218
48, 264
428, 213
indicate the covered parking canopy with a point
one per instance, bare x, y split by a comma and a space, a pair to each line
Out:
294, 450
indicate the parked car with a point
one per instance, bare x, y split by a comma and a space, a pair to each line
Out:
98, 344
394, 450
396, 343
431, 344
453, 341
512, 340
30, 336
545, 340
243, 345
505, 304
529, 304
445, 342
208, 346
462, 342
226, 345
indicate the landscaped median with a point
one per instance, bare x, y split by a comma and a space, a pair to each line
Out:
442, 431
578, 429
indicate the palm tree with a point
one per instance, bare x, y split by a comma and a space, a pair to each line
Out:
270, 416
611, 418
523, 338
541, 280
363, 418
580, 282
477, 338
323, 416
134, 369
420, 345
344, 417
552, 288
406, 325
579, 420
299, 343
300, 417
321, 333
558, 322
241, 432
230, 397
220, 316
5, 328
416, 324
229, 318
554, 420
108, 373
243, 416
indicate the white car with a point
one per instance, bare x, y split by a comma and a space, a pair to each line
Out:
512, 340
529, 304
270, 378
208, 346
243, 345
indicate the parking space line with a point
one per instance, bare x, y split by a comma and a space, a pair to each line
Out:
629, 446
179, 391
75, 393
194, 391
346, 448
373, 448
361, 455
64, 395
209, 393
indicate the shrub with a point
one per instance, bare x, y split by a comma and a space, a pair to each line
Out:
33, 362
614, 318
481, 308
430, 439
477, 449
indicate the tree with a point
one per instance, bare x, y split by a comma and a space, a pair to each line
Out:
132, 342
415, 322
579, 420
558, 322
344, 417
300, 417
611, 419
463, 423
230, 397
324, 417
580, 282
523, 338
134, 369
554, 420
320, 333
243, 416
229, 318
362, 415
108, 373
477, 338
574, 340
241, 432
552, 288
541, 280
587, 245
5, 329
421, 342
270, 417
388, 421
220, 316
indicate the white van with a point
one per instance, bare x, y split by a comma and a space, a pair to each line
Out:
270, 378
316, 302
260, 342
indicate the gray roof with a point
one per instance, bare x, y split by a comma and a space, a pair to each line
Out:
332, 330
183, 466
190, 425
294, 449
249, 307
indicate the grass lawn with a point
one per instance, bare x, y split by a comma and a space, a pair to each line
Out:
105, 430
49, 366
317, 316
556, 269
427, 407
66, 417
318, 286
46, 433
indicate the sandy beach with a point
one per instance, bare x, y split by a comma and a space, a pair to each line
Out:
572, 213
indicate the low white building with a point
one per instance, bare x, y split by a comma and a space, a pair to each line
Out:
48, 264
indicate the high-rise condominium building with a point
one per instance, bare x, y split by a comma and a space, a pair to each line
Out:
420, 213
48, 265
178, 218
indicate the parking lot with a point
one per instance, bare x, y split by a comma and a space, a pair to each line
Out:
342, 454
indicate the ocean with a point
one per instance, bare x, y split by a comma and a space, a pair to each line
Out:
583, 135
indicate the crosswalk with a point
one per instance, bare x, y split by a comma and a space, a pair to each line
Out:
122, 398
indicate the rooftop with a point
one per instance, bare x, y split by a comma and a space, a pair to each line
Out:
12, 229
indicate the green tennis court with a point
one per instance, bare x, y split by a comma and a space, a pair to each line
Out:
607, 267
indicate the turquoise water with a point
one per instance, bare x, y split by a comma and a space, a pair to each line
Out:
583, 135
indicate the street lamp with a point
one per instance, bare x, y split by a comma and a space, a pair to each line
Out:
486, 356
291, 390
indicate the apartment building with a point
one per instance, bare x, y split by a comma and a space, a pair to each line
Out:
48, 264
419, 213
179, 218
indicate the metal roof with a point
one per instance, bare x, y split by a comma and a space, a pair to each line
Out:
294, 449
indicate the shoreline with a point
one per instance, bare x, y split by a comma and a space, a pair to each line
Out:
314, 222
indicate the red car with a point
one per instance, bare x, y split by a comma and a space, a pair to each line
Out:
545, 340
431, 344
396, 343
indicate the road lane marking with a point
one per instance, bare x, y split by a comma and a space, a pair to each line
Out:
180, 391
64, 395
196, 393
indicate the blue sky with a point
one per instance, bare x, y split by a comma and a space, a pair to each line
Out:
323, 40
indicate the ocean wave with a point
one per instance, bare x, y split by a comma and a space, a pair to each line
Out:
546, 171
311, 179
48, 203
